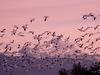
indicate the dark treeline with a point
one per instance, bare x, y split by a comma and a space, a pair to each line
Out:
78, 69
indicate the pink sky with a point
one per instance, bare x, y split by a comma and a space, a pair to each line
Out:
65, 16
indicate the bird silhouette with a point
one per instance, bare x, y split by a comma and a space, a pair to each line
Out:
97, 39
90, 34
96, 27
84, 17
53, 34
32, 20
16, 27
25, 27
83, 30
89, 15
67, 39
7, 48
45, 18
32, 32
80, 45
94, 18
78, 39
3, 30
84, 35
19, 46
95, 49
14, 32
80, 29
87, 28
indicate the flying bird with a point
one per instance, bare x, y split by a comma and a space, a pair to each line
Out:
80, 29
84, 35
89, 15
18, 46
91, 34
80, 45
14, 32
32, 20
83, 30
96, 27
67, 38
53, 34
7, 47
3, 30
97, 48
94, 18
45, 18
85, 17
97, 39
25, 27
86, 28
32, 32
78, 39
15, 26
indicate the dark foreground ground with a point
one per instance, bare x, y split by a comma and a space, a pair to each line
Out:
10, 65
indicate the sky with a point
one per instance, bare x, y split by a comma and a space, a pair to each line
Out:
65, 16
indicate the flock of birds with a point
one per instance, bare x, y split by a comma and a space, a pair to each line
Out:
90, 15
89, 36
50, 41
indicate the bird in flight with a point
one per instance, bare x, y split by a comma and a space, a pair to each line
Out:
45, 18
97, 39
15, 26
67, 39
32, 20
85, 17
53, 34
83, 30
3, 30
25, 27
14, 32
80, 29
32, 32
89, 15
18, 46
96, 27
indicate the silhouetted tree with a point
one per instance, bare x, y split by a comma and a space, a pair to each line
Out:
79, 70
62, 71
